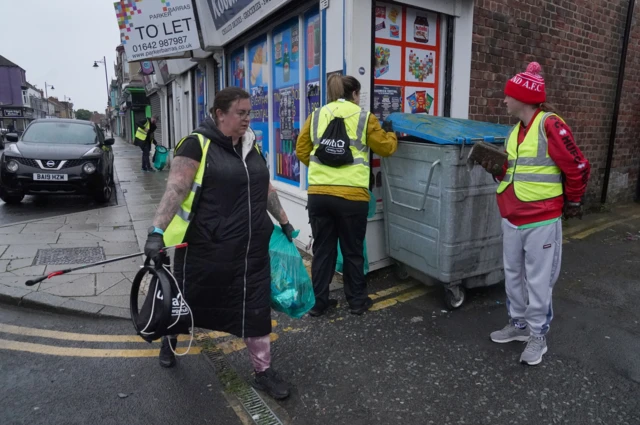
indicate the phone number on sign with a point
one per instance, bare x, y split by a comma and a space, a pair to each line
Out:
156, 44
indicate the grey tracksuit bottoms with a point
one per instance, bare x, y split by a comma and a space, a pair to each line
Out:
532, 260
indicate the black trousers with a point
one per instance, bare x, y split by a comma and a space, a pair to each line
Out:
336, 219
146, 150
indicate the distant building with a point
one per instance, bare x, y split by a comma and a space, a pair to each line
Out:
15, 104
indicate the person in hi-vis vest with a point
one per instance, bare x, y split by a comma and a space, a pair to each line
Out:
338, 196
545, 175
144, 138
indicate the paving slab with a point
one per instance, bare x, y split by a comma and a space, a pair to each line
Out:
119, 248
12, 229
20, 251
104, 281
3, 265
83, 287
79, 236
30, 238
121, 288
29, 271
74, 244
78, 227
3, 248
41, 227
116, 236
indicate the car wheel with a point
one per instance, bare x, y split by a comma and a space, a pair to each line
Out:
11, 199
103, 195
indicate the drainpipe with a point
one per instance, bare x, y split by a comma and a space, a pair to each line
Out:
616, 107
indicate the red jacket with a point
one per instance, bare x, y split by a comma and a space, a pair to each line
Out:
575, 170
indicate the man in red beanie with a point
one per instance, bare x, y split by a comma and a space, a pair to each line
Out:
546, 174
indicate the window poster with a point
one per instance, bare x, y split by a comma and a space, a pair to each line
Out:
286, 101
259, 91
407, 59
236, 77
312, 45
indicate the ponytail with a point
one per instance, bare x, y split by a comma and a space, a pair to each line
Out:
548, 107
335, 88
342, 87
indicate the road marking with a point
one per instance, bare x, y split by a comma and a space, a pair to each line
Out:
401, 298
393, 290
580, 227
70, 336
234, 345
84, 352
602, 227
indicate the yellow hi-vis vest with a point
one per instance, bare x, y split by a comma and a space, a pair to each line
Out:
535, 176
177, 229
355, 120
141, 132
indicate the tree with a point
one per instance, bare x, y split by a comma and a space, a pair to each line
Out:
83, 114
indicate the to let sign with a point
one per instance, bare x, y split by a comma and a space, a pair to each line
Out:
152, 29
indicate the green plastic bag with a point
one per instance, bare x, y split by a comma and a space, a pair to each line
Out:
370, 214
291, 287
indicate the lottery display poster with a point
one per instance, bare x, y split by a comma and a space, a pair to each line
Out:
286, 101
259, 91
237, 69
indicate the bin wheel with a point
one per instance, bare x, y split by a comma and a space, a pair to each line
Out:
454, 297
401, 272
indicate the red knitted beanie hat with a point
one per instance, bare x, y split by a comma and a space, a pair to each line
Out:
527, 87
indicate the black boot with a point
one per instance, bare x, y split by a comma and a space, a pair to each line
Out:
269, 382
167, 358
364, 307
316, 311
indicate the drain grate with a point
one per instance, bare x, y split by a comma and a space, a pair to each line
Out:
53, 256
253, 404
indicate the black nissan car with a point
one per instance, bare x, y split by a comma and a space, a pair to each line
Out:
55, 157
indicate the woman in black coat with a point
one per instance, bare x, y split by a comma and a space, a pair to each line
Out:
225, 269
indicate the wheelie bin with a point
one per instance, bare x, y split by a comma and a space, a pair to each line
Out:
441, 218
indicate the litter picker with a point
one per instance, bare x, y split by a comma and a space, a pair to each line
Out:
100, 263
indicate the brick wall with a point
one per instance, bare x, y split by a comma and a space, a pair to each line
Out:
578, 43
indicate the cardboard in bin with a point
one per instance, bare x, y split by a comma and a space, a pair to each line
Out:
448, 131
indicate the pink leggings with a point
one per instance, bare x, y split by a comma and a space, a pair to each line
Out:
260, 352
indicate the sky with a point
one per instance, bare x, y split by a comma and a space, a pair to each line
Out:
57, 41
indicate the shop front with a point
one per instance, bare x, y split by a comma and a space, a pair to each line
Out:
16, 117
282, 51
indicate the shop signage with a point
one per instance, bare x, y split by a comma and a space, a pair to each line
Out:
156, 28
12, 113
227, 19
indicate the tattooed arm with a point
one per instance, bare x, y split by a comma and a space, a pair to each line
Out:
183, 172
274, 207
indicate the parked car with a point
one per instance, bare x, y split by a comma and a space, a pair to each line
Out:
57, 156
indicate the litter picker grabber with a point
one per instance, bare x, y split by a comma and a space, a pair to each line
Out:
100, 263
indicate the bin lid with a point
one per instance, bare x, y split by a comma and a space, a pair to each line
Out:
448, 131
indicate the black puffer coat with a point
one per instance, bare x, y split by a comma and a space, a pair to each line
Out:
226, 266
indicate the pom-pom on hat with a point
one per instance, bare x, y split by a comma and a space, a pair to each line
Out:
527, 87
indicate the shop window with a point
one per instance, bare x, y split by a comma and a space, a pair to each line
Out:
259, 91
312, 50
25, 98
286, 101
407, 60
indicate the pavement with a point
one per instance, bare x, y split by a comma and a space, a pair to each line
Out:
112, 232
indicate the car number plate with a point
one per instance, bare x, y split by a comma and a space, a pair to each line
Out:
51, 177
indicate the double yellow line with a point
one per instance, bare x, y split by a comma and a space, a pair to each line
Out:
5, 344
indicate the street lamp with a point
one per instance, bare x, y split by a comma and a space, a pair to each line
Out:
106, 81
46, 86
67, 100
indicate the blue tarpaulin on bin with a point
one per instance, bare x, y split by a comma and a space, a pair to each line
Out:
448, 131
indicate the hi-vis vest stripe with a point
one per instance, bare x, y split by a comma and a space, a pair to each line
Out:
534, 175
141, 132
177, 229
355, 174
